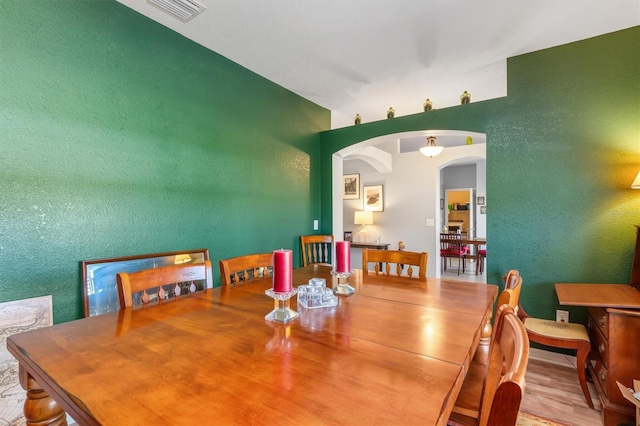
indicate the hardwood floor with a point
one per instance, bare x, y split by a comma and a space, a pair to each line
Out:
553, 392
469, 273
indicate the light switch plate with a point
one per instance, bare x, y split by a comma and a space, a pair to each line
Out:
562, 316
431, 222
315, 225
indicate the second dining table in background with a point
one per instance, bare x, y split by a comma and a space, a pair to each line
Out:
396, 352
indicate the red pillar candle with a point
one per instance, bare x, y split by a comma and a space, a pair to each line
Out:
343, 256
282, 271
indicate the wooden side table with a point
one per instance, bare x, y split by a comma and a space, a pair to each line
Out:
377, 246
614, 317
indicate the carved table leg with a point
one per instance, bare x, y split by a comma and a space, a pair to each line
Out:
482, 352
39, 408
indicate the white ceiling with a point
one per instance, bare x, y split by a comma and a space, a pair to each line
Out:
364, 56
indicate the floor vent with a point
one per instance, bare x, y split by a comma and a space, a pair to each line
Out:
184, 10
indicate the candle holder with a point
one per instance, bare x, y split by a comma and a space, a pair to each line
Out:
282, 311
343, 288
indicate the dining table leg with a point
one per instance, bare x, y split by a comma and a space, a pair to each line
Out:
39, 408
482, 352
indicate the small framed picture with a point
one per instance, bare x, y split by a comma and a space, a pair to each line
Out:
351, 187
348, 236
480, 201
483, 210
441, 203
373, 198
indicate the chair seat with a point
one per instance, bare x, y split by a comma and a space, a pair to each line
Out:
454, 252
555, 329
482, 252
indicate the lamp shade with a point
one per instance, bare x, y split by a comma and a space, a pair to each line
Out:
363, 218
636, 183
431, 149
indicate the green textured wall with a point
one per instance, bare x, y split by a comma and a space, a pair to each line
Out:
562, 150
121, 137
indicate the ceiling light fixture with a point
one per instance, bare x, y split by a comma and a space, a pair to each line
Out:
431, 150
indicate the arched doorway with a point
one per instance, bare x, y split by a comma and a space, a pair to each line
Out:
412, 188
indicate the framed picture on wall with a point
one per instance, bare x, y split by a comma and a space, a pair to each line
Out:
480, 201
99, 286
348, 236
483, 210
373, 198
351, 187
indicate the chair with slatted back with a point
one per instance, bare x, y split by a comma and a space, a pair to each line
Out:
165, 279
316, 249
451, 247
492, 394
238, 270
558, 335
384, 259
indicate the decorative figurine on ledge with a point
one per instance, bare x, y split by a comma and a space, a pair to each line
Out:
465, 98
391, 112
428, 105
357, 120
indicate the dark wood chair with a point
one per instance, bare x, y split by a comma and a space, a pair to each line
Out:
384, 258
316, 249
492, 394
451, 247
482, 255
557, 335
240, 269
165, 279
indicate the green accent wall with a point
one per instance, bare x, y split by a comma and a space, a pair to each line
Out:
562, 150
121, 137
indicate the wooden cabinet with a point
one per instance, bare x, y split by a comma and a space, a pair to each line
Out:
615, 355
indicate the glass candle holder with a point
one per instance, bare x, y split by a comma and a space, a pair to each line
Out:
282, 311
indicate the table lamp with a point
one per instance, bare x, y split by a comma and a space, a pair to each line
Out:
363, 218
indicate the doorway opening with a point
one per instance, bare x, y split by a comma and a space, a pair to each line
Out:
412, 187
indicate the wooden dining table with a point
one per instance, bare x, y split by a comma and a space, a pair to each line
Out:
395, 352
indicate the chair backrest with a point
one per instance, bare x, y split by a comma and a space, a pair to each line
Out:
504, 388
401, 259
511, 295
240, 269
141, 281
316, 249
451, 244
511, 279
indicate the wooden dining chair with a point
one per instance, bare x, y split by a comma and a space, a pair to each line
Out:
557, 335
383, 260
166, 279
238, 270
511, 295
492, 394
451, 247
316, 249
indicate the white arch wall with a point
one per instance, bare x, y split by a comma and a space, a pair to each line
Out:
412, 197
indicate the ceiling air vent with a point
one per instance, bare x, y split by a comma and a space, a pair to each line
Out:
184, 10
